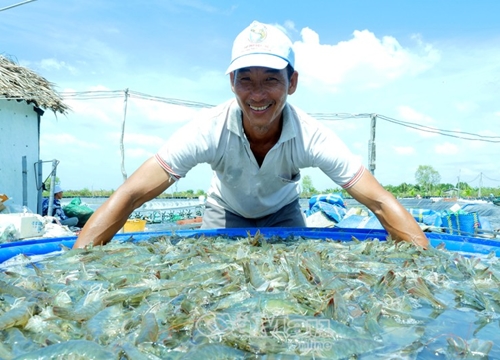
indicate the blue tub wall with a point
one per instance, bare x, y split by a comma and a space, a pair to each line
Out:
457, 243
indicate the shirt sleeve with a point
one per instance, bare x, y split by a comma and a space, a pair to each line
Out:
45, 206
193, 144
328, 152
58, 211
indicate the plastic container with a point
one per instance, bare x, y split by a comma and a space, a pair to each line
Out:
196, 220
457, 223
134, 225
27, 225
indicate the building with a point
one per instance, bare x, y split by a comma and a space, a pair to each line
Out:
24, 97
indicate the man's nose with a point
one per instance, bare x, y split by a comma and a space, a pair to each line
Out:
258, 91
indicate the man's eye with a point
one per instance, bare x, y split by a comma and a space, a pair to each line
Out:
271, 79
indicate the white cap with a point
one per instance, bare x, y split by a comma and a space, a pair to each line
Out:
57, 189
261, 45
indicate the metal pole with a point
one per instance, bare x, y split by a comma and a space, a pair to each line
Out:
25, 181
371, 145
40, 188
52, 185
480, 185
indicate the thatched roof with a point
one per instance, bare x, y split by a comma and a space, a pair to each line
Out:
20, 83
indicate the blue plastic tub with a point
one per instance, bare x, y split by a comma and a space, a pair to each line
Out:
465, 244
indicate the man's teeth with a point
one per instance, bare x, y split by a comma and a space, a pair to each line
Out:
259, 108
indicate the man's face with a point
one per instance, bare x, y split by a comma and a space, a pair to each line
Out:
58, 195
262, 93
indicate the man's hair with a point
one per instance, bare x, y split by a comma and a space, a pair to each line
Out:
289, 71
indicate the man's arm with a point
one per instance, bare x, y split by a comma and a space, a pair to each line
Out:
146, 183
398, 222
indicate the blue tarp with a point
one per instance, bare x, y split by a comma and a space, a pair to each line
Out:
360, 222
426, 216
333, 206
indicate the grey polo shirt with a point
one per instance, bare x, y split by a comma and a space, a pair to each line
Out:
239, 184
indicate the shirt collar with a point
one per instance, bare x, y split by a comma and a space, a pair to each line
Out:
235, 123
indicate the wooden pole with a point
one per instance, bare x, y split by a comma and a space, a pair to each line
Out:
122, 148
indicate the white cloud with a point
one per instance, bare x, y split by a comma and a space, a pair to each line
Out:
466, 106
136, 145
404, 150
138, 153
409, 114
142, 139
65, 140
363, 61
96, 107
53, 64
412, 115
446, 149
95, 112
359, 146
488, 133
161, 112
289, 24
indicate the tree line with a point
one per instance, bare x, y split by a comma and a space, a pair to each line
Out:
87, 193
428, 184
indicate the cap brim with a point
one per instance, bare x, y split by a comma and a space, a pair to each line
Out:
262, 60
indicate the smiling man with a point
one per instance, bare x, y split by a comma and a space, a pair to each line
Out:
256, 145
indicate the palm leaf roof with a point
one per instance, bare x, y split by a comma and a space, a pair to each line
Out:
21, 84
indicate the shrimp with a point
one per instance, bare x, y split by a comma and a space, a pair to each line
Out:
149, 329
82, 313
18, 315
72, 349
422, 291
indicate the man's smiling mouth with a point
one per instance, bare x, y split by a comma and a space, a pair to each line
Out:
259, 108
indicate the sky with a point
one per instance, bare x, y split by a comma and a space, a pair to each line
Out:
429, 70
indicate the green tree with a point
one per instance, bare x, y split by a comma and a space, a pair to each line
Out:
465, 190
427, 177
307, 186
46, 184
406, 189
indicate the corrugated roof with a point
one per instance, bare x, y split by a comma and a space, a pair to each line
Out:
20, 83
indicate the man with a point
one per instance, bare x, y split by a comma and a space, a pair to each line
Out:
57, 210
256, 146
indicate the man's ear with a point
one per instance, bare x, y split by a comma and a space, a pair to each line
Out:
294, 80
231, 79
